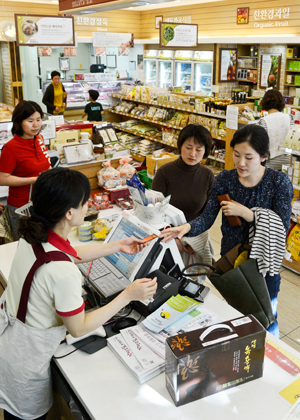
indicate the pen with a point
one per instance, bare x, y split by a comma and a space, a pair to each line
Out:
89, 269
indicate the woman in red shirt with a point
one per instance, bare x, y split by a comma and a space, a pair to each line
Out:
23, 158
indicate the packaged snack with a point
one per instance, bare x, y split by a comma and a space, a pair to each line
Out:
137, 190
126, 171
110, 178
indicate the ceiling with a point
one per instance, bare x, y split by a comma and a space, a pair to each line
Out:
156, 4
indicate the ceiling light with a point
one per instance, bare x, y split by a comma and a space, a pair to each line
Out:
88, 11
140, 3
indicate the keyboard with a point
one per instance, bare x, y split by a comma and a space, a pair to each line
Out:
104, 277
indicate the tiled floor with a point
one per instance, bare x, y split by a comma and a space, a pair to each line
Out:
288, 298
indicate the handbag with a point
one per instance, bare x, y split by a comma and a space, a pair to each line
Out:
243, 287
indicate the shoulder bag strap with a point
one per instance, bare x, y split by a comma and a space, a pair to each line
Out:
42, 257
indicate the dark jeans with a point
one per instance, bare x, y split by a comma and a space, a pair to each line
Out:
273, 285
8, 416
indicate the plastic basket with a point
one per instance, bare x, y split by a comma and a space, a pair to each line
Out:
145, 179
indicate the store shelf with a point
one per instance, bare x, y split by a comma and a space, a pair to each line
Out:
179, 108
150, 120
216, 159
144, 136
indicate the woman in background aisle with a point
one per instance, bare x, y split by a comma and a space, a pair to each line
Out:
41, 300
23, 158
189, 183
55, 96
277, 125
251, 187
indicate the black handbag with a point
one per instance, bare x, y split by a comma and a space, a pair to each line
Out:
244, 287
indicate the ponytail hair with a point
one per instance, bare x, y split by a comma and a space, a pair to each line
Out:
55, 192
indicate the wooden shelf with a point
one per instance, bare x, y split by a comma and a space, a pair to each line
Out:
293, 71
183, 108
292, 86
293, 266
247, 68
295, 59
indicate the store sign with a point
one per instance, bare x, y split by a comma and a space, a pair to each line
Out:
112, 39
40, 30
101, 23
270, 18
178, 35
179, 19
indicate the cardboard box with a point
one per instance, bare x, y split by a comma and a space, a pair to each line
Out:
64, 137
209, 360
155, 162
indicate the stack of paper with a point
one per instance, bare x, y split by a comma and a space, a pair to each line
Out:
142, 354
142, 348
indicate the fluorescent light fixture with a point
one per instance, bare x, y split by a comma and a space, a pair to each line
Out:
140, 3
88, 11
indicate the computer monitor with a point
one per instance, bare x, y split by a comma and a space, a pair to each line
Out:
128, 264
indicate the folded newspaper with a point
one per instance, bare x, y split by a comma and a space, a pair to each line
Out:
142, 351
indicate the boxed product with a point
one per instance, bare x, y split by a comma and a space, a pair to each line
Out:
297, 80
209, 360
154, 162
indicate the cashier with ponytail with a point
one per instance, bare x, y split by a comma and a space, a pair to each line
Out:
43, 300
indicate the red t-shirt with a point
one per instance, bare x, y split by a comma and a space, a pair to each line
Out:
23, 158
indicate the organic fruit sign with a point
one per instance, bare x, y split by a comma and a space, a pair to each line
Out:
227, 65
176, 35
270, 71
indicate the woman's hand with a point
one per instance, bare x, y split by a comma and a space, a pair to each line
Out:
175, 232
141, 289
64, 105
132, 245
57, 108
232, 208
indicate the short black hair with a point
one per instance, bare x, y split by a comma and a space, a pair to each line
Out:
200, 134
55, 73
272, 99
21, 112
54, 193
256, 136
94, 94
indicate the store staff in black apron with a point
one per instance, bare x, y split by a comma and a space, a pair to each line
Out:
43, 296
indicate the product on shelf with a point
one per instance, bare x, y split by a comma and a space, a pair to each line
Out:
5, 112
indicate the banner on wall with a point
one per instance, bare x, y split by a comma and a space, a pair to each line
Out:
70, 52
38, 30
44, 51
99, 51
113, 39
176, 35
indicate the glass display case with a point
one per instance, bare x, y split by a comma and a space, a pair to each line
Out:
76, 96
78, 92
104, 88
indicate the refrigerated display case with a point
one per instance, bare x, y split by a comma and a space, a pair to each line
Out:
104, 88
150, 66
78, 92
183, 74
151, 71
184, 69
203, 77
203, 70
165, 73
76, 96
165, 68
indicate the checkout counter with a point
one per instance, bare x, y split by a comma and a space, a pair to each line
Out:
98, 386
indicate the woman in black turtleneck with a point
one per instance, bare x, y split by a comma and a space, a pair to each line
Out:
185, 179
